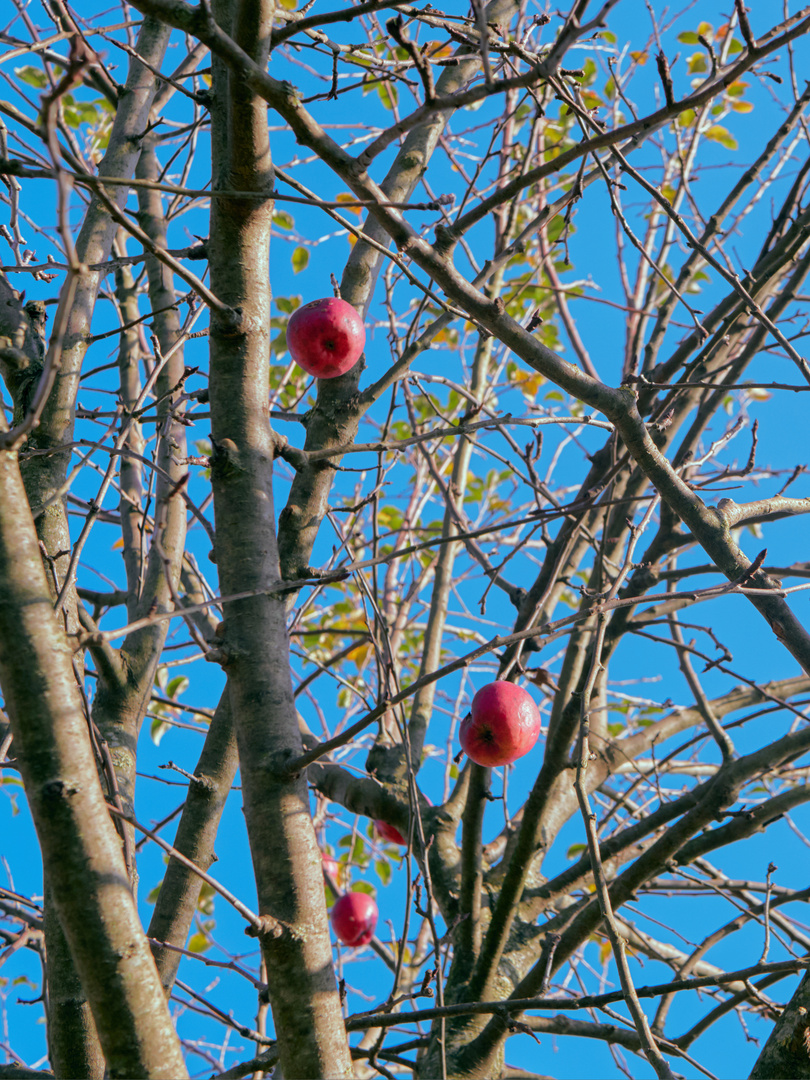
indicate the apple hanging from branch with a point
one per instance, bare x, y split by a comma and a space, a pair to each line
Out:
354, 917
331, 866
503, 725
389, 832
326, 337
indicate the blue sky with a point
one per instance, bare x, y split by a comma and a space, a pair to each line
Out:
756, 653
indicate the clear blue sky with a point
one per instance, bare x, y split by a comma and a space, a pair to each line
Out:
756, 653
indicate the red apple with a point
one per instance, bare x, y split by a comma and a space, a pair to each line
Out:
330, 865
503, 725
354, 917
389, 832
326, 337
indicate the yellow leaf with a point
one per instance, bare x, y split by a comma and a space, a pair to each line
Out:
436, 50
529, 382
359, 655
347, 197
198, 943
737, 88
697, 62
717, 133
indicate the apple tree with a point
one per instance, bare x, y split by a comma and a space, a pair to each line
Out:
265, 576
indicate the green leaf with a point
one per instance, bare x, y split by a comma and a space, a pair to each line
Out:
283, 219
89, 112
359, 853
32, 75
205, 901
300, 258
694, 285
575, 851
288, 304
388, 94
176, 686
158, 729
364, 886
390, 518
153, 893
383, 868
689, 37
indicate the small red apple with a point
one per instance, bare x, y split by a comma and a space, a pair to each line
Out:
326, 337
389, 832
354, 917
330, 865
503, 725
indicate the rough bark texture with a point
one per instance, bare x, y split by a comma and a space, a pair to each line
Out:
79, 843
45, 476
254, 646
786, 1054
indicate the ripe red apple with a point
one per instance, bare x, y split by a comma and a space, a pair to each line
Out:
330, 865
503, 725
326, 337
354, 917
389, 832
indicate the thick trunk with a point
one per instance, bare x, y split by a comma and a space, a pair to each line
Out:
254, 647
80, 847
787, 1051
